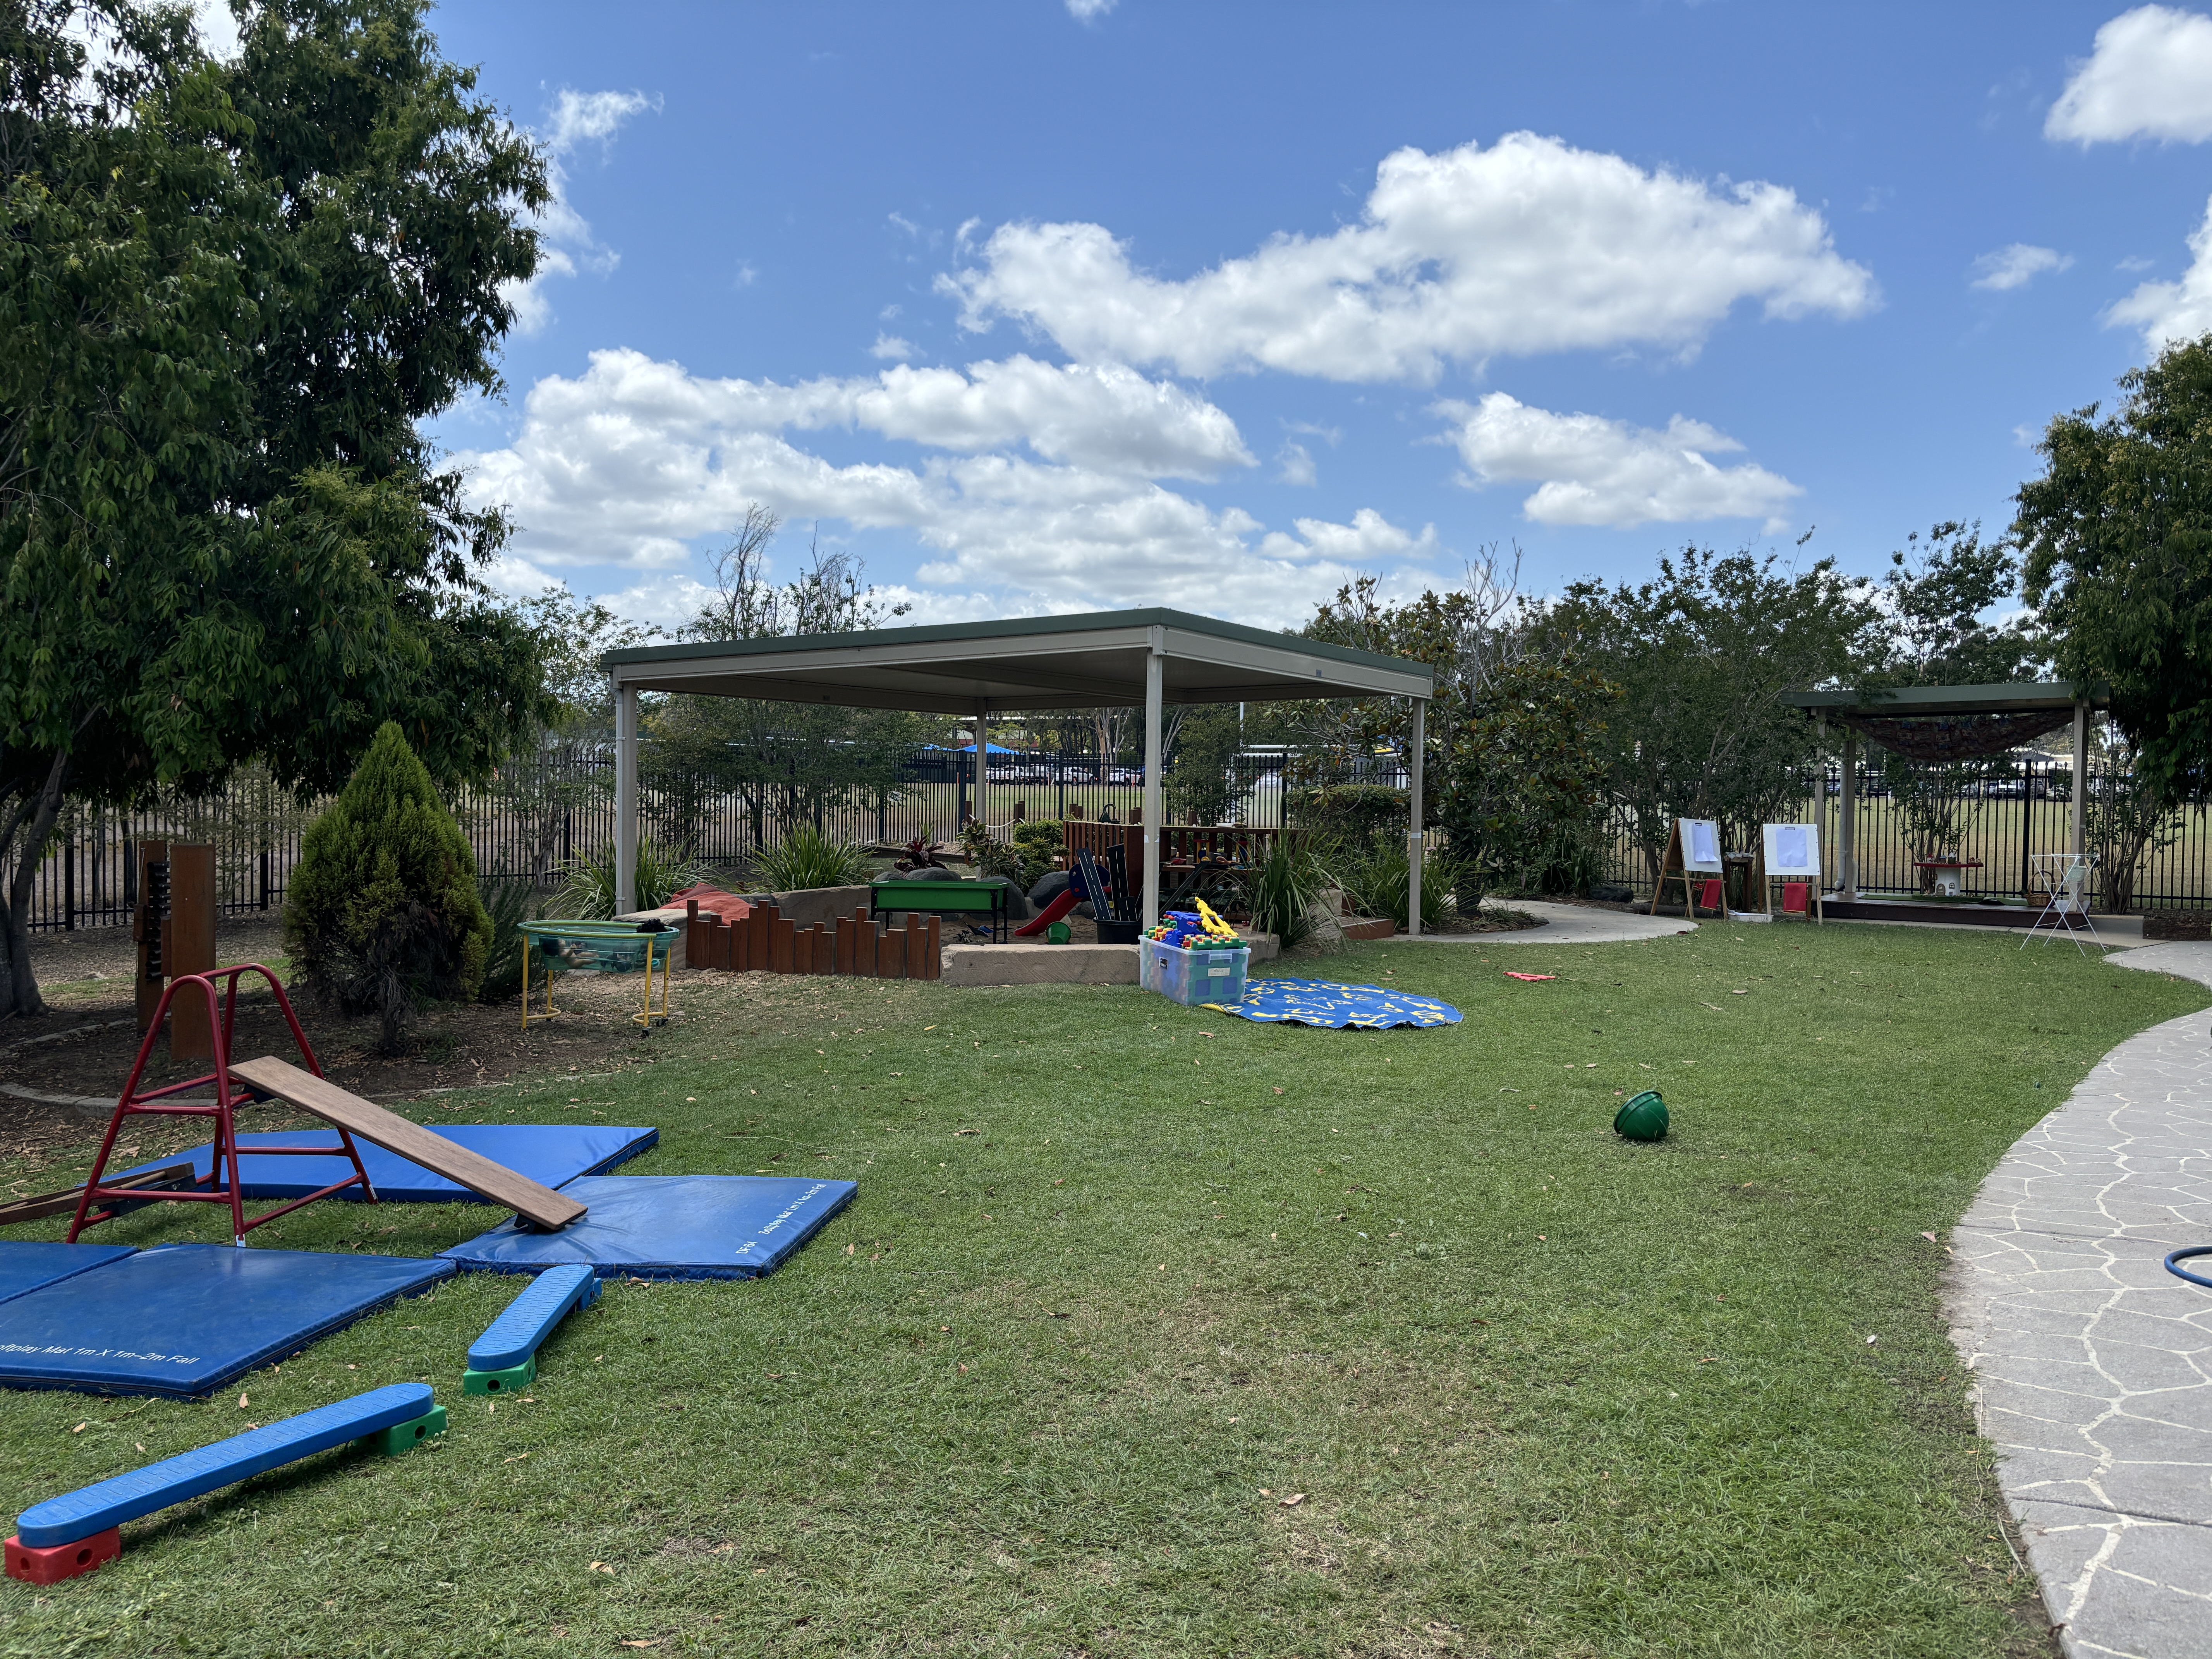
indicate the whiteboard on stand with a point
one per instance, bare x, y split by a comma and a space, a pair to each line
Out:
1701, 845
1792, 849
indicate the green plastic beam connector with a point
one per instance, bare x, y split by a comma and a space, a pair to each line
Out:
513, 1380
402, 1438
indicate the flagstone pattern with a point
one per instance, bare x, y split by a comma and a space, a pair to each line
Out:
2092, 1364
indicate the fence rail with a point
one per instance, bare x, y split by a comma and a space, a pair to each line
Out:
2002, 819
546, 809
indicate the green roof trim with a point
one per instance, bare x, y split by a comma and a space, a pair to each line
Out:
1018, 628
2026, 697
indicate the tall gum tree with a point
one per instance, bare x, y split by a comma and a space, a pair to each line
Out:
228, 294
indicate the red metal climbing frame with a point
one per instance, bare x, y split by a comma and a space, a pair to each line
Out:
210, 1189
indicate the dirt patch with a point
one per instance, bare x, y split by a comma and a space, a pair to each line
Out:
79, 1053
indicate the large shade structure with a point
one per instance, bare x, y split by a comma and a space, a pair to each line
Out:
1948, 722
1112, 658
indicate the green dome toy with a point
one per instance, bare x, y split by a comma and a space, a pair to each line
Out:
1643, 1118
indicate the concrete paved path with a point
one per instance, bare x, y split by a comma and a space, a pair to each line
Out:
2093, 1364
1568, 924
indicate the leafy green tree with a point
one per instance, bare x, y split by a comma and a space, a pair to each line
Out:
1198, 790
228, 295
1703, 654
1513, 769
382, 910
2118, 539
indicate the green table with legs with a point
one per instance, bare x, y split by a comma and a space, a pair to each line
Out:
943, 897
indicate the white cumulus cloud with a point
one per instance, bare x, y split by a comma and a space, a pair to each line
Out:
2173, 311
1084, 10
1592, 471
2150, 77
892, 348
2015, 266
566, 245
630, 463
1527, 246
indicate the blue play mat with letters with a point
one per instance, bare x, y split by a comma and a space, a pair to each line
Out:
1323, 1002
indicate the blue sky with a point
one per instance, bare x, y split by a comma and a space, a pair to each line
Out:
1214, 306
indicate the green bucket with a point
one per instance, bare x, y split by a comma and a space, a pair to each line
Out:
1642, 1118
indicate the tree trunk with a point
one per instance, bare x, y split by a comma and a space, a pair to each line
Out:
20, 993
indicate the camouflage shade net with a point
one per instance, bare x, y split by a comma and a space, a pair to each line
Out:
1947, 738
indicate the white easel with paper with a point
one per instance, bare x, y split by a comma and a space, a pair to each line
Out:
1790, 854
1693, 848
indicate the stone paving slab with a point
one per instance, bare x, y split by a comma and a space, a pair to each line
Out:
2092, 1364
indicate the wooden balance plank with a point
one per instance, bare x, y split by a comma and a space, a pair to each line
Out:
167, 1178
97, 1510
540, 1206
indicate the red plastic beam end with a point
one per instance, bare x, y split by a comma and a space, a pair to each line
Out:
56, 1562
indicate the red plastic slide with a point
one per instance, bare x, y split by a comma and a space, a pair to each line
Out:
1051, 912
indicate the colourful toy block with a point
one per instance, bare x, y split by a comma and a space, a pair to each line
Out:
402, 1438
513, 1379
56, 1562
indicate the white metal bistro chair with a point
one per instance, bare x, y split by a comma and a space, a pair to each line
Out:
2066, 875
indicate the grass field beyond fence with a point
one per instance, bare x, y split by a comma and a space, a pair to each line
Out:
1154, 1331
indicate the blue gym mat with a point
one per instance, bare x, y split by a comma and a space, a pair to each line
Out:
25, 1268
184, 1320
1323, 1002
669, 1227
550, 1154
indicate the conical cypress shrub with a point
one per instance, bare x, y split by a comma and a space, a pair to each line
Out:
382, 910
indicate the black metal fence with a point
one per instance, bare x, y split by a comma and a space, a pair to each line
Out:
545, 808
1998, 822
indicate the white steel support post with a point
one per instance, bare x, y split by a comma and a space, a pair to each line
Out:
2074, 818
1847, 842
626, 801
982, 759
1155, 665
1415, 841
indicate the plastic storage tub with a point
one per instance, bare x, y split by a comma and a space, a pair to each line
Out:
1192, 977
589, 948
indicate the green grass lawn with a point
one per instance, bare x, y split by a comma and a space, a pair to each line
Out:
1123, 1279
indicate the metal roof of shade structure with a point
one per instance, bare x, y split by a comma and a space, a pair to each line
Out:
1108, 659
1026, 662
2023, 697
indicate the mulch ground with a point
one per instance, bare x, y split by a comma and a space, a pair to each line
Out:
83, 1047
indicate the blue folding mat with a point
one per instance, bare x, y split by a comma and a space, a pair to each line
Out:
184, 1320
669, 1227
550, 1154
25, 1266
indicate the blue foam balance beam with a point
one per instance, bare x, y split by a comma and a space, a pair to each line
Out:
80, 1530
505, 1357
